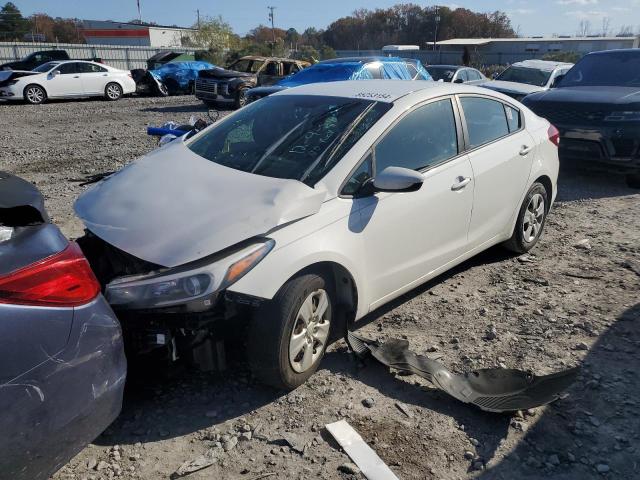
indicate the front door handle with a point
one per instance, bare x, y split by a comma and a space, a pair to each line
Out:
76, 76
460, 183
525, 150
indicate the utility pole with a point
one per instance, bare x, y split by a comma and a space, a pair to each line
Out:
435, 34
273, 30
198, 14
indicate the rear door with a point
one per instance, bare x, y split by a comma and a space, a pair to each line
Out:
94, 78
68, 83
501, 152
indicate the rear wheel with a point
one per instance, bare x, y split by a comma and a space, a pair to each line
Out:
633, 180
531, 219
34, 94
113, 91
289, 335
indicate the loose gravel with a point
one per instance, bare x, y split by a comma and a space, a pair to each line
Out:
573, 300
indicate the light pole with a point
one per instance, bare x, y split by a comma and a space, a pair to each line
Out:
273, 31
435, 34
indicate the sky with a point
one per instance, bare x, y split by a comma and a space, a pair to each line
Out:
532, 17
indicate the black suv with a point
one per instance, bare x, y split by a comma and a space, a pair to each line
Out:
220, 85
596, 107
36, 59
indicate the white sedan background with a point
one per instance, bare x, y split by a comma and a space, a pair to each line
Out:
68, 79
324, 201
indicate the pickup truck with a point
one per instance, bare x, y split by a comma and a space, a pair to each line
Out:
36, 59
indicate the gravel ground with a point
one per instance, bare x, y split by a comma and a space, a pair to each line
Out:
573, 300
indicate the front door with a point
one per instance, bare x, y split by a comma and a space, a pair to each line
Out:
408, 236
67, 83
270, 73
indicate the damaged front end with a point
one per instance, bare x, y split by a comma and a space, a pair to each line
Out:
176, 313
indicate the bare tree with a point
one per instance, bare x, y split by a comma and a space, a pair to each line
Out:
625, 31
606, 26
584, 28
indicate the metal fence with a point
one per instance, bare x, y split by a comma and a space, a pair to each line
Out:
125, 57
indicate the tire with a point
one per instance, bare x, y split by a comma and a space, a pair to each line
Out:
531, 220
633, 180
161, 90
241, 97
34, 94
275, 357
113, 91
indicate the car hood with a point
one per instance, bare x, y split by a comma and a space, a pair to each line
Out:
172, 206
512, 87
627, 96
218, 72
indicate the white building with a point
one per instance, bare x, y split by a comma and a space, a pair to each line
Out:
99, 32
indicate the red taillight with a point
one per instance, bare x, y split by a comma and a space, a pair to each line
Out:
62, 280
554, 135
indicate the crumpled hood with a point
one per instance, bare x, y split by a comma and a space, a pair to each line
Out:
512, 87
172, 206
629, 97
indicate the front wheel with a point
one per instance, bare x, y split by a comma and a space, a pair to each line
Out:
289, 335
241, 97
113, 91
531, 219
34, 94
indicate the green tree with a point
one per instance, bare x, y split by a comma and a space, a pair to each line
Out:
13, 25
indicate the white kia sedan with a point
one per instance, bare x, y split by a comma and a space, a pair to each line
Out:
310, 208
66, 79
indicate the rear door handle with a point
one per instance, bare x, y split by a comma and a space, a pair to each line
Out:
460, 183
525, 150
76, 76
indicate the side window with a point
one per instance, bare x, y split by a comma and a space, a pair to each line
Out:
423, 137
462, 75
290, 68
68, 68
363, 173
271, 69
90, 68
486, 120
413, 71
474, 75
513, 118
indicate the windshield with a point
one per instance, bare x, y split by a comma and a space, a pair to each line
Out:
441, 73
610, 69
289, 136
247, 66
530, 76
45, 67
328, 72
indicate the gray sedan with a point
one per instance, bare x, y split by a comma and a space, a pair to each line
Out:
62, 364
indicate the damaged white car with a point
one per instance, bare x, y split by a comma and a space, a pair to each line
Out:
309, 209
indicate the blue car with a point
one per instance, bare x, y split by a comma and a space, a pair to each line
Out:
356, 68
62, 363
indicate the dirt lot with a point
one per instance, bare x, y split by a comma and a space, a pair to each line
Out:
569, 302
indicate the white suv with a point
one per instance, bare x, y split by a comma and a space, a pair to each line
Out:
313, 207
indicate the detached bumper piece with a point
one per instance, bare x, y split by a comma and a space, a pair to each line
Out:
491, 389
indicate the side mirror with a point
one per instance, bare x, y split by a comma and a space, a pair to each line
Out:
397, 179
458, 80
557, 80
55, 73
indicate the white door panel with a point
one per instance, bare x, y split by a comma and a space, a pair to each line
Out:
68, 83
501, 174
94, 83
408, 235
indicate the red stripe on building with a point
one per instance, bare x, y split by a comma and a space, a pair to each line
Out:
138, 32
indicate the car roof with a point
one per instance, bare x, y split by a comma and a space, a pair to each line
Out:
280, 59
545, 65
365, 59
381, 90
454, 67
635, 51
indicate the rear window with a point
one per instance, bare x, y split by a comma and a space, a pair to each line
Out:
289, 136
441, 73
486, 120
600, 70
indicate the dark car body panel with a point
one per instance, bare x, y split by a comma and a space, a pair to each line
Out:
588, 131
36, 59
62, 369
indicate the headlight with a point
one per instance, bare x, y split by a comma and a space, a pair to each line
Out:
12, 82
627, 116
178, 286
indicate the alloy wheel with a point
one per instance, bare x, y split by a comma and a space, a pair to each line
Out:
310, 331
113, 92
533, 218
35, 95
